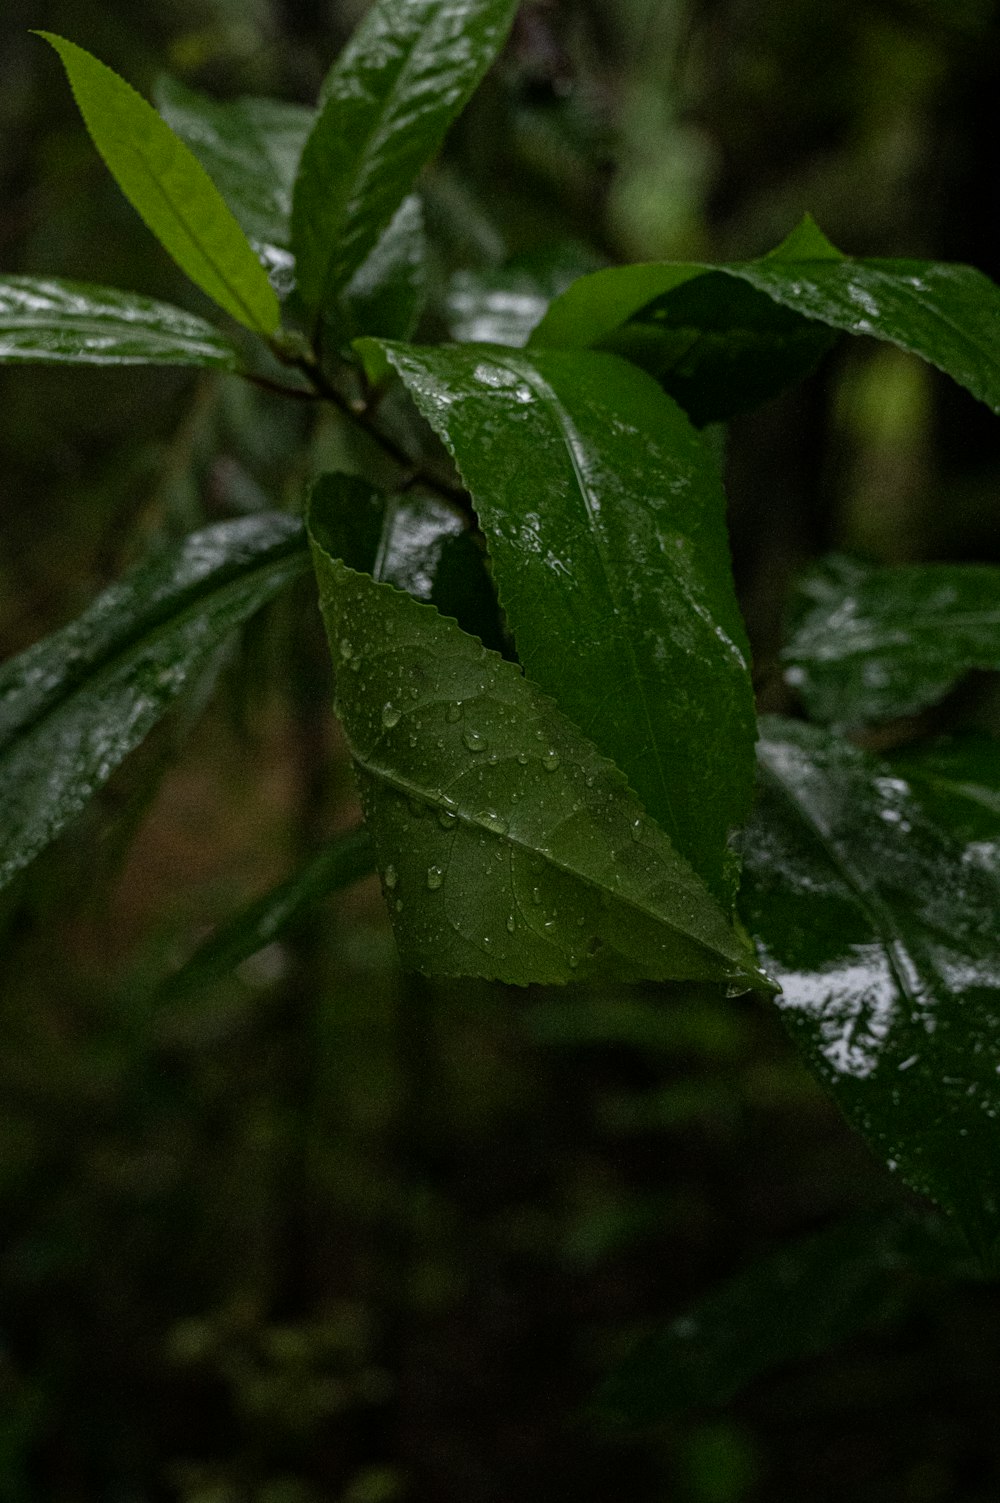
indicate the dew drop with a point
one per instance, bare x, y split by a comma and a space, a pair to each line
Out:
493, 759
487, 942
737, 989
474, 740
435, 876
390, 716
346, 648
550, 761
446, 819
390, 877
494, 821
574, 961
511, 924
522, 757
399, 905
637, 831
414, 693
454, 712
536, 894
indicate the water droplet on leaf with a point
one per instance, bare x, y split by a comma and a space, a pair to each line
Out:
474, 740
550, 761
390, 716
435, 876
390, 877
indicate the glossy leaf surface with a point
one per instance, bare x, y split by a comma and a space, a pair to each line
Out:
508, 847
405, 74
46, 319
502, 305
947, 314
605, 520
250, 148
869, 643
74, 705
170, 189
805, 1300
957, 781
885, 940
386, 294
339, 864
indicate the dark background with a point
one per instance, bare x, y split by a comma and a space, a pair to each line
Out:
325, 1231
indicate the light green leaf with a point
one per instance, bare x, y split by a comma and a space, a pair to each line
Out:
605, 520
884, 937
387, 102
170, 189
508, 847
74, 705
657, 314
46, 319
871, 643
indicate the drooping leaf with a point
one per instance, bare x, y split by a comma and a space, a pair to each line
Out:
508, 847
947, 314
250, 148
798, 1303
74, 705
413, 541
605, 520
405, 74
340, 863
170, 189
885, 940
870, 643
386, 294
47, 319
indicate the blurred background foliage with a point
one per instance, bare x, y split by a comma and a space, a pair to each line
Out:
324, 1231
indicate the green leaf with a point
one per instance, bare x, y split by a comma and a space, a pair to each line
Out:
250, 148
46, 319
73, 705
871, 643
170, 189
387, 102
605, 521
386, 294
947, 314
502, 305
798, 1303
885, 940
957, 781
508, 847
340, 863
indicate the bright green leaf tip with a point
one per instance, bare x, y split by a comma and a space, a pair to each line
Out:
171, 191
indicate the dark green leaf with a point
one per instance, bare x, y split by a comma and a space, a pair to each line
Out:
75, 704
605, 520
413, 541
387, 102
508, 847
250, 148
340, 863
947, 314
884, 937
871, 643
386, 294
797, 1303
958, 782
503, 305
45, 319
170, 189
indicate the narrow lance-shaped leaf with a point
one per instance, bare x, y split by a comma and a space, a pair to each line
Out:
885, 940
869, 643
508, 847
605, 520
46, 319
386, 294
947, 314
387, 102
340, 863
74, 705
170, 189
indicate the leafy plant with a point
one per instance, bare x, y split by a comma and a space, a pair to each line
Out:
541, 669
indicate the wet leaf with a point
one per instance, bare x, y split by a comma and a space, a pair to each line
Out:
947, 314
386, 294
884, 937
74, 705
605, 520
170, 189
250, 148
805, 1300
403, 77
339, 864
502, 305
508, 847
957, 781
871, 643
47, 319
